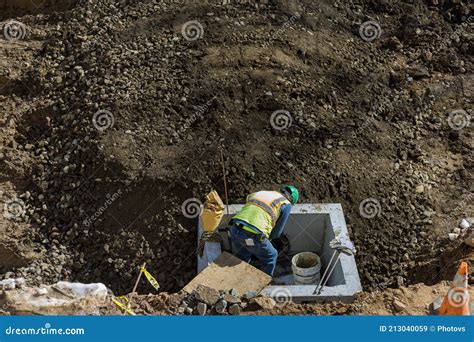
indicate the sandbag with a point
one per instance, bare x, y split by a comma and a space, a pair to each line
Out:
212, 212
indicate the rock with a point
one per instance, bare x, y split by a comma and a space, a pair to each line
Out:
470, 240
207, 295
41, 291
394, 43
20, 282
249, 295
231, 299
8, 284
221, 306
452, 236
420, 189
464, 224
457, 230
418, 72
398, 305
400, 281
265, 303
234, 292
234, 310
201, 309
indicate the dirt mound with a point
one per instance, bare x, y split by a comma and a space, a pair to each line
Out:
128, 111
15, 8
412, 300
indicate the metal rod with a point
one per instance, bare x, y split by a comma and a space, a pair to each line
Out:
324, 274
330, 272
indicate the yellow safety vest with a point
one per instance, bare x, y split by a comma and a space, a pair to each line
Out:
262, 210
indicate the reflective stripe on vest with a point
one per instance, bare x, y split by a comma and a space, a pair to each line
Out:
265, 207
270, 209
262, 210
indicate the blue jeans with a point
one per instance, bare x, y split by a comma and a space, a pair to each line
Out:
263, 250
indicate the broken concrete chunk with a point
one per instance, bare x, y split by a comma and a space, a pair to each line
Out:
207, 295
265, 303
250, 295
201, 309
221, 306
231, 299
234, 310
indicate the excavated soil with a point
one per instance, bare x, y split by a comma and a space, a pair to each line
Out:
111, 119
411, 300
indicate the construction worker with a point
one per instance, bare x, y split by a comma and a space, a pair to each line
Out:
262, 218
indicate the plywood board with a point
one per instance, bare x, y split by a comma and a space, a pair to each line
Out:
228, 272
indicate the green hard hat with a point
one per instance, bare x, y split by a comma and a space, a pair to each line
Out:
290, 192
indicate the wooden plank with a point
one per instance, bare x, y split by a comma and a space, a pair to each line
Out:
228, 272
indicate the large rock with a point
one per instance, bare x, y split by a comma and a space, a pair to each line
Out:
265, 303
201, 309
207, 295
234, 309
231, 299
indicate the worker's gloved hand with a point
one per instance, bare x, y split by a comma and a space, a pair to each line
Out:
343, 244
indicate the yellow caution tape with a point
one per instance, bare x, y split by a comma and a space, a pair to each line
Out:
123, 305
150, 278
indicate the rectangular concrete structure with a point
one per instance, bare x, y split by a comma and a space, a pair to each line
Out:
310, 228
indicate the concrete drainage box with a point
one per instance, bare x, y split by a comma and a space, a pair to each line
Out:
309, 229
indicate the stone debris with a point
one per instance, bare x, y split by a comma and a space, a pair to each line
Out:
221, 306
265, 303
207, 295
231, 299
201, 309
62, 298
249, 295
398, 305
234, 310
10, 284
453, 236
208, 301
464, 224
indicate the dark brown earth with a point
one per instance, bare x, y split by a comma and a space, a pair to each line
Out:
369, 120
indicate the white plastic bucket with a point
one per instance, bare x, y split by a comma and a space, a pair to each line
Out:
306, 268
